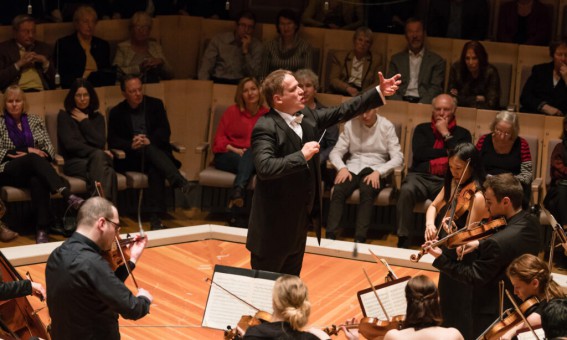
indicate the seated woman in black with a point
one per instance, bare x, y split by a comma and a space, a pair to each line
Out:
25, 159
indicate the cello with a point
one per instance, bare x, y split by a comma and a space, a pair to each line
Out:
18, 320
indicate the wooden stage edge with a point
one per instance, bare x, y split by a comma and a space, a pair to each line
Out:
31, 254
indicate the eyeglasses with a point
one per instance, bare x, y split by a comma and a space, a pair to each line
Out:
116, 225
503, 133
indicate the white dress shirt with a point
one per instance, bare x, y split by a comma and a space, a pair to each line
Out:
414, 67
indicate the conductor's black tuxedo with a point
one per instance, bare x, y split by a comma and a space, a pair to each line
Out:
287, 185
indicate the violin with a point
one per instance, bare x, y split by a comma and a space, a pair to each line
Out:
245, 322
508, 320
464, 198
370, 328
113, 256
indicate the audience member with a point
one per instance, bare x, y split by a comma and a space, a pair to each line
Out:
473, 80
290, 301
373, 150
288, 50
554, 319
64, 10
85, 295
459, 19
556, 197
81, 135
531, 278
231, 56
309, 83
81, 54
139, 126
503, 151
423, 315
357, 70
544, 91
525, 22
232, 139
142, 55
391, 16
424, 179
334, 14
26, 154
25, 61
423, 71
466, 173
521, 235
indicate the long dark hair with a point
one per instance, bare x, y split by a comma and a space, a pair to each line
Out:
464, 152
423, 309
69, 102
482, 56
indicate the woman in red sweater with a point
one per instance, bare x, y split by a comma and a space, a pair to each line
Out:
232, 140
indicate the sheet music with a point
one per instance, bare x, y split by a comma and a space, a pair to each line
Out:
393, 298
224, 310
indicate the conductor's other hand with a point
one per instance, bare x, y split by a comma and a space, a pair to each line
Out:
310, 149
388, 87
145, 293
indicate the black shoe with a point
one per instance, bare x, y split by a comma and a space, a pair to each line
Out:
236, 198
330, 235
41, 237
360, 239
155, 223
403, 242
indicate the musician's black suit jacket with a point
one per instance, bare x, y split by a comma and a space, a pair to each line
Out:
287, 185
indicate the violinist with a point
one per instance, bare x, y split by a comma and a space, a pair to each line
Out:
291, 305
85, 296
531, 277
503, 194
468, 205
423, 315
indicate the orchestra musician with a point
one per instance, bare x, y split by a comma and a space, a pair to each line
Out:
423, 315
503, 194
531, 277
85, 296
469, 206
15, 289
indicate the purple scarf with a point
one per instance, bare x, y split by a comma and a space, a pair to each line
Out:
23, 138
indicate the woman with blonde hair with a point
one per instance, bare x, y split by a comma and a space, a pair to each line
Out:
231, 145
290, 302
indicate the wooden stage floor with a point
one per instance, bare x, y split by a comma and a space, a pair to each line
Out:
175, 276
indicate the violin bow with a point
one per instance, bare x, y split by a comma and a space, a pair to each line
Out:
376, 294
385, 263
520, 313
211, 282
454, 200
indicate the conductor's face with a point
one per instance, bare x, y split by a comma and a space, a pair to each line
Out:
292, 98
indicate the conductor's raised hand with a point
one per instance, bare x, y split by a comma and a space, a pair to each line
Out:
388, 87
310, 149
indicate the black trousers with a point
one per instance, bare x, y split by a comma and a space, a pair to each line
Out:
96, 167
289, 264
36, 174
154, 162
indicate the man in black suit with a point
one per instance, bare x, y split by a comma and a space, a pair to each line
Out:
545, 90
287, 164
25, 61
139, 126
521, 235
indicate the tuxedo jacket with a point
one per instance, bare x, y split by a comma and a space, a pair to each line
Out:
431, 78
287, 185
341, 65
10, 54
539, 89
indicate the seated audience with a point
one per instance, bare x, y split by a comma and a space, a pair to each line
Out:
231, 56
531, 278
374, 151
81, 133
309, 83
334, 14
232, 139
554, 319
352, 72
26, 154
81, 54
473, 80
544, 91
139, 126
423, 315
459, 19
288, 50
64, 10
424, 180
25, 61
526, 22
504, 151
290, 302
423, 71
142, 55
